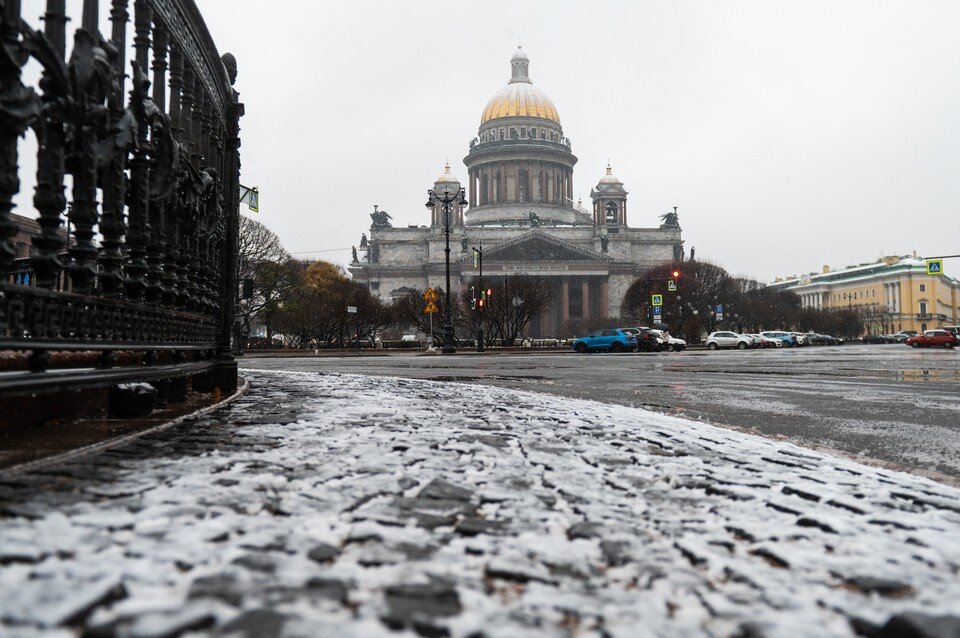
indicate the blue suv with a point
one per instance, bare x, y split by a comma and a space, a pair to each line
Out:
610, 339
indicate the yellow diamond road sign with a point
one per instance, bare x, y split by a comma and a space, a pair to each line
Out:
431, 308
934, 266
430, 295
657, 300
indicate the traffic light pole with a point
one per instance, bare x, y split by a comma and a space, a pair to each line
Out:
483, 299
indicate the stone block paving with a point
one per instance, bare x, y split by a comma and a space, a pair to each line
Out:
340, 505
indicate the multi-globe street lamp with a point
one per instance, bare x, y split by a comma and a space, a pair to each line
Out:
447, 201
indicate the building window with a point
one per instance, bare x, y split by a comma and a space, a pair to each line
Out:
923, 287
923, 307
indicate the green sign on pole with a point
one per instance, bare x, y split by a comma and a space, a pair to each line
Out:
656, 300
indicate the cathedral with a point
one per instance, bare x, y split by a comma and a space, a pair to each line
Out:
519, 207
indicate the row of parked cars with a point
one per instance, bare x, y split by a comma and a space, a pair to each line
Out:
769, 339
638, 339
935, 336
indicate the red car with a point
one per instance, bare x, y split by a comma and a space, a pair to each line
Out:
934, 338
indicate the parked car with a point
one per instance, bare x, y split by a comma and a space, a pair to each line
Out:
786, 338
610, 339
671, 343
816, 339
648, 340
900, 337
878, 339
932, 338
952, 329
801, 339
717, 340
834, 341
766, 342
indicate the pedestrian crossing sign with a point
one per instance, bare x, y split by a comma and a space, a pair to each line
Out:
934, 266
657, 300
672, 286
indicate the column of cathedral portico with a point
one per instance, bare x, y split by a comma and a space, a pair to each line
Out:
605, 299
585, 299
564, 301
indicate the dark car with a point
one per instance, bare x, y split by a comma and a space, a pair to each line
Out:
610, 339
815, 339
647, 340
933, 338
878, 339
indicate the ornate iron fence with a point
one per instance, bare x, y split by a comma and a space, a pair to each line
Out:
151, 263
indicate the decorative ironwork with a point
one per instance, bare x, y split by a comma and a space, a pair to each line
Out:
150, 267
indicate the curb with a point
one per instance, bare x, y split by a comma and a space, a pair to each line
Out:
127, 438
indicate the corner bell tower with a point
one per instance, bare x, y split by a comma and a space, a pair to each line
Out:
609, 201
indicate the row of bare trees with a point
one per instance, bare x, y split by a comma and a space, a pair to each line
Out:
748, 306
298, 303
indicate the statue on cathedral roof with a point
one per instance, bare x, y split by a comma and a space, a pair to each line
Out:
363, 240
534, 219
670, 219
381, 218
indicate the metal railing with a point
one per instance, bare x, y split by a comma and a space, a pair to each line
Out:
151, 265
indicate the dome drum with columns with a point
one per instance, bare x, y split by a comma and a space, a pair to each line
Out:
523, 209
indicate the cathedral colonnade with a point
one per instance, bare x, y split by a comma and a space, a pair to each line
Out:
574, 298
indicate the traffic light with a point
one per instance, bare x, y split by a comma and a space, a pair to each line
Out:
676, 274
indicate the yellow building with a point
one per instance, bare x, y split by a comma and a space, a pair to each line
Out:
892, 294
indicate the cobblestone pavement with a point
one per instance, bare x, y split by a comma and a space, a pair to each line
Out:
341, 505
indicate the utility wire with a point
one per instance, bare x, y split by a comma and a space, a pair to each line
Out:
327, 250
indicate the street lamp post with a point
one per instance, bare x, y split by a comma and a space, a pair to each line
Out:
446, 202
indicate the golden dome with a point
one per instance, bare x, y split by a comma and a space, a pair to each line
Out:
520, 98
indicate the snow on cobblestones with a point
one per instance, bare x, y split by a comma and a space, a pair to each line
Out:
340, 505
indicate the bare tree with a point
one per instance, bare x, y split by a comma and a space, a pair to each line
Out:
264, 261
516, 300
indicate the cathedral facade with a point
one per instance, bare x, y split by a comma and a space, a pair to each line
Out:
520, 210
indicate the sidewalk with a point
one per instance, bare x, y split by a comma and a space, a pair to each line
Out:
340, 505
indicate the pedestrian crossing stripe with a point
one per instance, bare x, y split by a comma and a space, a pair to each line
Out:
934, 266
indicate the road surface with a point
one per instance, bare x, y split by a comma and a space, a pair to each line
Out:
886, 403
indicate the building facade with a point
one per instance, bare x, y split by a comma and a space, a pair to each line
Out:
520, 210
893, 294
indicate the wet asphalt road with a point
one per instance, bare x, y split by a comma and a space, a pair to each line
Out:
886, 403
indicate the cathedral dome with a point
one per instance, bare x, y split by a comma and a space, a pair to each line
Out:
447, 178
609, 178
520, 98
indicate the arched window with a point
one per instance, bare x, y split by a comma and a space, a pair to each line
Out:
611, 212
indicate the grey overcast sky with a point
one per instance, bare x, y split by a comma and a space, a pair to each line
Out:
790, 134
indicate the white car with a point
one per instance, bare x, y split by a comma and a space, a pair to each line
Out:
717, 340
801, 338
671, 343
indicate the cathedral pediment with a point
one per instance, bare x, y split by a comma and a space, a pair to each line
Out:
540, 247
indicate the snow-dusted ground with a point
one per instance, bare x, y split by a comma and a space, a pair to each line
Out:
340, 505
